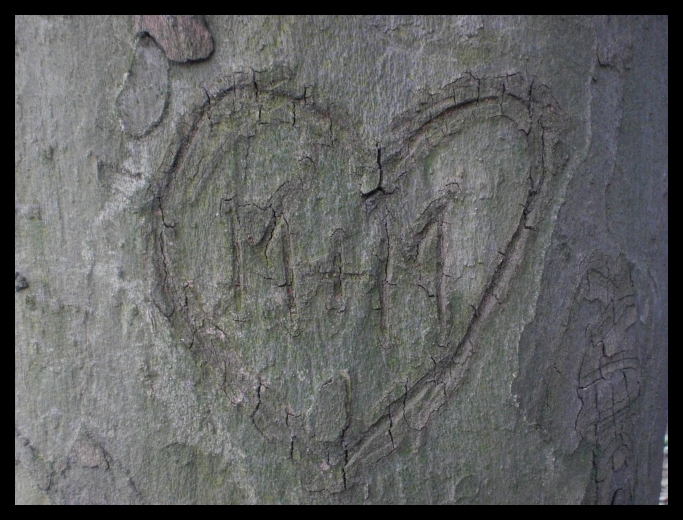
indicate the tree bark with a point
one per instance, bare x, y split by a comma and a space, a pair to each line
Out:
340, 260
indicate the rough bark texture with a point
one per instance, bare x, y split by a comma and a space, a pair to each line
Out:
340, 260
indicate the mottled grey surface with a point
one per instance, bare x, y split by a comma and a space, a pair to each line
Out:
355, 259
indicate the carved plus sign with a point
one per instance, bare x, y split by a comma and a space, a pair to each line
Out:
336, 274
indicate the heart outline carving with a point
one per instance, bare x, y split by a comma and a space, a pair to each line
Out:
227, 130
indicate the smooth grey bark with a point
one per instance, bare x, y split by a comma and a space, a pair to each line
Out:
340, 260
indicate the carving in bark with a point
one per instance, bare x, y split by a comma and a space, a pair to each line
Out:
270, 248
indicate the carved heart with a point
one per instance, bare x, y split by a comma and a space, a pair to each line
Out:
298, 261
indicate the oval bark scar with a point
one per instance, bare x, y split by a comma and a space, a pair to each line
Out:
142, 99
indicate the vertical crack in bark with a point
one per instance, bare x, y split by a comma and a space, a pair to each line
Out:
391, 436
384, 281
380, 183
334, 271
337, 289
259, 387
379, 167
237, 279
441, 299
346, 461
289, 269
